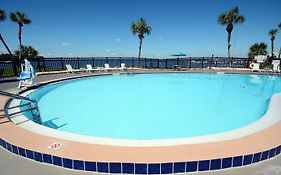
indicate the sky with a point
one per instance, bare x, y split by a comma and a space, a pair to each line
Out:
83, 28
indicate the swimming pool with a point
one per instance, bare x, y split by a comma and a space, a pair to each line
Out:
156, 106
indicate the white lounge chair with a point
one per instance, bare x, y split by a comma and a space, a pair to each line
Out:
255, 67
27, 74
89, 68
122, 67
107, 68
70, 69
276, 66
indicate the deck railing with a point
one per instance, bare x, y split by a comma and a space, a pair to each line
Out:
53, 64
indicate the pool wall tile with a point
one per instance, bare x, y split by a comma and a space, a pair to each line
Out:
78, 164
115, 167
90, 166
272, 153
154, 168
227, 162
265, 155
22, 152
29, 154
47, 158
128, 168
215, 164
247, 160
67, 163
257, 157
204, 165
140, 168
9, 147
38, 156
278, 150
237, 161
102, 167
166, 168
179, 167
15, 149
191, 166
57, 161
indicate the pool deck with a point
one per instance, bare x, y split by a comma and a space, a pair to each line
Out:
261, 141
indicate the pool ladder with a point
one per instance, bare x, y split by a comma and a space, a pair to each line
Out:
31, 105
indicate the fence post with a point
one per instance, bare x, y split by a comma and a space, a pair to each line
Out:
133, 62
120, 61
158, 64
14, 62
61, 62
38, 64
44, 65
78, 62
144, 62
178, 61
202, 66
189, 62
93, 61
166, 66
106, 60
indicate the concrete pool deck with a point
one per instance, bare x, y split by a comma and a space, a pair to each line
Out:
258, 142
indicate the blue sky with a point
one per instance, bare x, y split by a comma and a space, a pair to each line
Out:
71, 28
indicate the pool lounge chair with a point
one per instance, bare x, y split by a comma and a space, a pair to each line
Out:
27, 74
107, 68
71, 70
122, 67
276, 66
255, 67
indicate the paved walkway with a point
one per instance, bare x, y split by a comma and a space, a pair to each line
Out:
11, 164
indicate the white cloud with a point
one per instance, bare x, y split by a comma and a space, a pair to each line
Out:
65, 44
117, 39
161, 38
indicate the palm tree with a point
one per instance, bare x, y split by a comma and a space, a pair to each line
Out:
280, 46
21, 19
230, 18
28, 52
141, 28
272, 33
2, 18
257, 49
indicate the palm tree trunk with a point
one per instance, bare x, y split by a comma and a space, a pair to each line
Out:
228, 47
272, 49
1, 38
20, 27
139, 52
279, 53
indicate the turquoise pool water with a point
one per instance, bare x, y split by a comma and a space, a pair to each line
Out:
156, 106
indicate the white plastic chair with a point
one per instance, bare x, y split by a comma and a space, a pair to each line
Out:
27, 74
123, 67
255, 67
70, 69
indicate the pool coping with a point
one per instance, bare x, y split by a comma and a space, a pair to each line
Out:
272, 116
239, 152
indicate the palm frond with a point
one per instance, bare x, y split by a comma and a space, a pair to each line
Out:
240, 20
2, 15
279, 25
272, 32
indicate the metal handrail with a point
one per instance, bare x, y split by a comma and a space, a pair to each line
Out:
36, 115
16, 96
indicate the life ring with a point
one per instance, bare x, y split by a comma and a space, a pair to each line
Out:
251, 65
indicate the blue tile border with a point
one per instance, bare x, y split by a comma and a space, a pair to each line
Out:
144, 168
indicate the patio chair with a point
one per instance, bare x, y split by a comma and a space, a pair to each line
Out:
255, 67
108, 68
89, 68
276, 66
27, 74
70, 69
123, 67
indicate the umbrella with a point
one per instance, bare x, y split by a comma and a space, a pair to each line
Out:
178, 54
